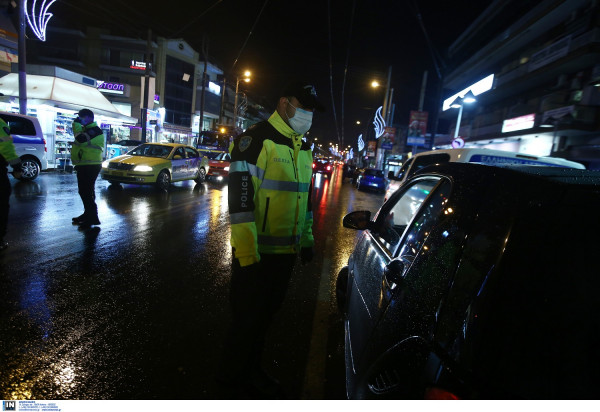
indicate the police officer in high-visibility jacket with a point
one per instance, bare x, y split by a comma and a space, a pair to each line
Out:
86, 155
270, 184
8, 156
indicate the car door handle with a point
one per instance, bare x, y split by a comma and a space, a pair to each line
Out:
393, 274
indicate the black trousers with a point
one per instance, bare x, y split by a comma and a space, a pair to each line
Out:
255, 298
86, 182
5, 190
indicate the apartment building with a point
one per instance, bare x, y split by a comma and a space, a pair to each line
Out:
534, 68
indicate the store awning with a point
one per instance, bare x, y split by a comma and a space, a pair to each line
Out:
63, 94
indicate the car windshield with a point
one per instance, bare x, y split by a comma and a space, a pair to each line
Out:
211, 155
373, 172
152, 150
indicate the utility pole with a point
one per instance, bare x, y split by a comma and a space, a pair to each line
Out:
146, 86
22, 60
205, 54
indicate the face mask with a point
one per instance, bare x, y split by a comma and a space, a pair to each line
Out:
301, 121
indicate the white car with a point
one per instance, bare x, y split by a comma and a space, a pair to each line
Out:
29, 143
483, 156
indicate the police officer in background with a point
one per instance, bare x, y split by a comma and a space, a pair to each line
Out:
86, 155
8, 156
270, 185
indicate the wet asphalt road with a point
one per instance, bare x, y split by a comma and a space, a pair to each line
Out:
138, 308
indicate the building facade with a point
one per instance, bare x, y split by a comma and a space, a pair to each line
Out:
543, 97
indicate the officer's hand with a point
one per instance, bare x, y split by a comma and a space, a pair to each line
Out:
306, 255
250, 269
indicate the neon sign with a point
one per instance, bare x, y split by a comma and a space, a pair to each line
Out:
379, 123
108, 87
39, 20
361, 143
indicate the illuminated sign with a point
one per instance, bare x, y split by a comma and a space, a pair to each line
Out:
137, 65
38, 17
481, 86
109, 87
214, 88
518, 123
379, 123
361, 143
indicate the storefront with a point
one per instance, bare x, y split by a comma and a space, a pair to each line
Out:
55, 102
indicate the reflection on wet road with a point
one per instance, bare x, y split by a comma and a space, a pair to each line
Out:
137, 308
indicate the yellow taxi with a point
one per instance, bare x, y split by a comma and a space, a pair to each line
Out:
158, 164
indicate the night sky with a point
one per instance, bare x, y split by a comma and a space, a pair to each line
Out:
323, 41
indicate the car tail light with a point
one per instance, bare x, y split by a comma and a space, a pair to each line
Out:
45, 148
314, 165
439, 394
328, 168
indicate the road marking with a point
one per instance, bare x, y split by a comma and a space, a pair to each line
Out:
314, 375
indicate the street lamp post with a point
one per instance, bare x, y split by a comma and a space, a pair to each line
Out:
246, 78
458, 103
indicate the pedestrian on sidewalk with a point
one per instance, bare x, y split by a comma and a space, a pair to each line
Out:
86, 156
270, 185
8, 156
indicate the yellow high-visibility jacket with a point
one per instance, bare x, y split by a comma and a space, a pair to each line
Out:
7, 147
270, 185
88, 145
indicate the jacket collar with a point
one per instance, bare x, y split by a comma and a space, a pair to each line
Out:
282, 127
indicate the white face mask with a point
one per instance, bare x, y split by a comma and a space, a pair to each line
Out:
301, 121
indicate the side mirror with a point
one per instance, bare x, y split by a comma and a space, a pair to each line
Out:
391, 175
359, 220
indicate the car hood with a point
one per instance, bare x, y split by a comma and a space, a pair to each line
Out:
138, 160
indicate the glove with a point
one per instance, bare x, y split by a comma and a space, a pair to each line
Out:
306, 254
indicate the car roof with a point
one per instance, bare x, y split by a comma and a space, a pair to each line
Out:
557, 174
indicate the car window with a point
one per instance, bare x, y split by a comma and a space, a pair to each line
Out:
152, 150
374, 172
397, 215
405, 167
422, 225
191, 153
19, 125
422, 161
179, 152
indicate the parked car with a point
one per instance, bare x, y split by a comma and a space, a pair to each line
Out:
472, 155
372, 179
323, 166
476, 281
219, 162
29, 142
156, 163
121, 147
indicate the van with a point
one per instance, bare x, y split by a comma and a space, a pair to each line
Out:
29, 143
472, 155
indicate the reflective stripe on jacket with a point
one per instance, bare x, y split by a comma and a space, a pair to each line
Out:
88, 152
270, 191
7, 147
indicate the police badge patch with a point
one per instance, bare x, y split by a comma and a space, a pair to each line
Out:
245, 143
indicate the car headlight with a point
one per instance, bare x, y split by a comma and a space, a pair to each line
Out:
226, 168
105, 164
142, 168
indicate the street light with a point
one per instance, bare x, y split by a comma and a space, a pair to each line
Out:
458, 103
246, 78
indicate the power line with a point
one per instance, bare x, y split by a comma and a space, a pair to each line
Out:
249, 34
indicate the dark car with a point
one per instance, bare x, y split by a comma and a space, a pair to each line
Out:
372, 179
476, 282
323, 166
348, 172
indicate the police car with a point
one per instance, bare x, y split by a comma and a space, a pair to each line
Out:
158, 164
482, 156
